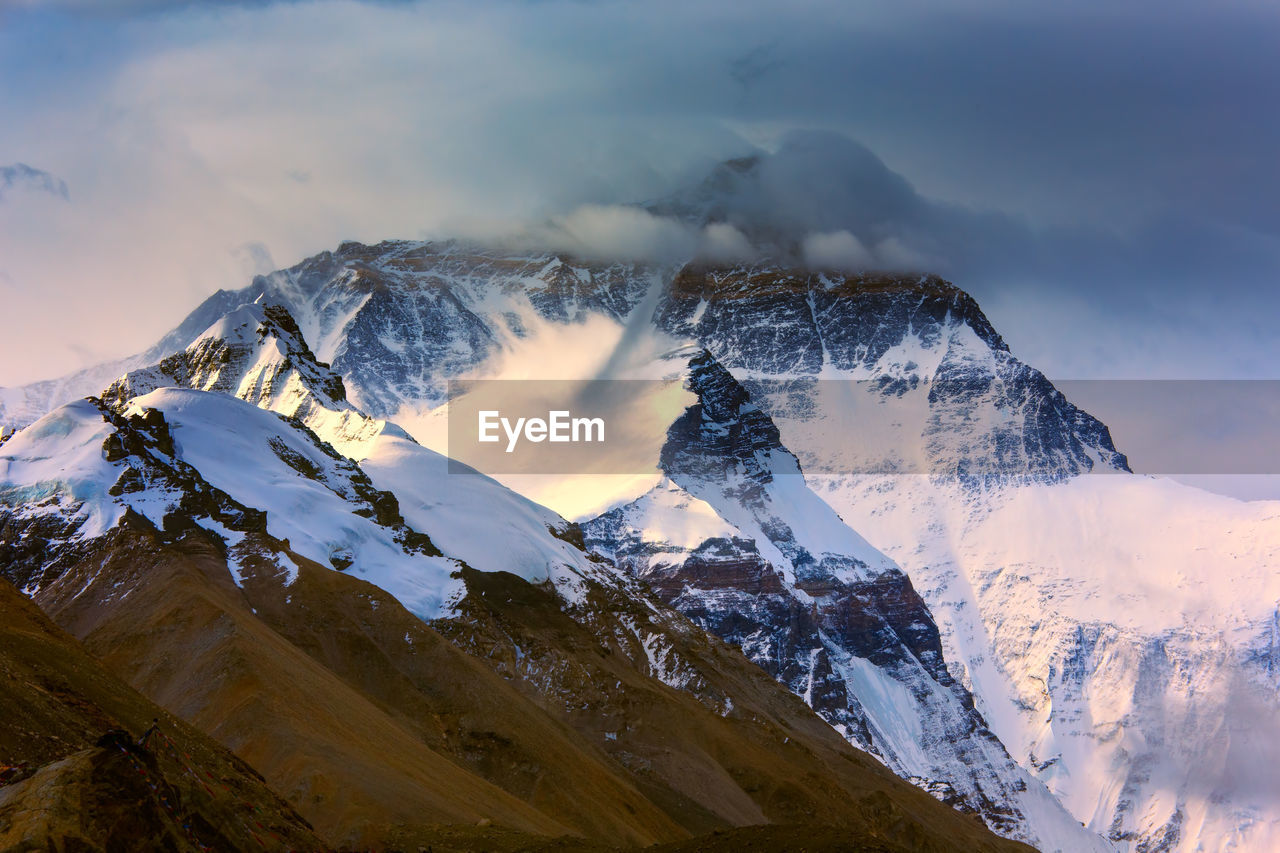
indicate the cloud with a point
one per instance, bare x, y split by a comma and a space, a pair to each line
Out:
623, 233
892, 253
824, 199
722, 243
20, 177
836, 250
755, 64
1125, 300
616, 233
1129, 195
255, 259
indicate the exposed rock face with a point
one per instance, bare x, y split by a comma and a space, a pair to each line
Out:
567, 662
819, 609
257, 353
902, 338
397, 320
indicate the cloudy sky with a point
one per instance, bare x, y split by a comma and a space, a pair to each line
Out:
1103, 176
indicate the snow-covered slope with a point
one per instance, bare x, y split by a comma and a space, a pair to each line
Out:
176, 456
479, 521
270, 458
399, 319
734, 538
1118, 632
257, 353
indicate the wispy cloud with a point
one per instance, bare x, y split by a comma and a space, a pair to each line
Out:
21, 177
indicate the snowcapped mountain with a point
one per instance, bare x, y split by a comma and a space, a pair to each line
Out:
266, 488
169, 514
1114, 634
961, 406
733, 538
259, 355
1089, 615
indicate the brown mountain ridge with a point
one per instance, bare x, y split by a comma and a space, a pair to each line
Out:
378, 728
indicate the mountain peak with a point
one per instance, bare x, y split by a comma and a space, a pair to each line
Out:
257, 352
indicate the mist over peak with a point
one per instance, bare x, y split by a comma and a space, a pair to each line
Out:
823, 199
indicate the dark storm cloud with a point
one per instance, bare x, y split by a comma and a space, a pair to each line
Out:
824, 183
